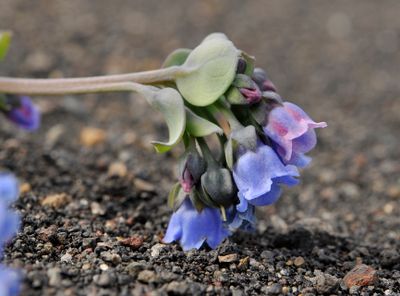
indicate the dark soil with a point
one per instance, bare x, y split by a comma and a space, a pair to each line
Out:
337, 59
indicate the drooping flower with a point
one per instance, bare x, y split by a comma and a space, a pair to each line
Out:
193, 228
258, 175
9, 281
292, 133
24, 113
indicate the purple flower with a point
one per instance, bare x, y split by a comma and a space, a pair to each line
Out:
258, 175
9, 282
244, 220
8, 188
25, 115
193, 228
292, 133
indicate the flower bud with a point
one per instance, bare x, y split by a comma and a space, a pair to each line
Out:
218, 184
261, 78
243, 91
191, 167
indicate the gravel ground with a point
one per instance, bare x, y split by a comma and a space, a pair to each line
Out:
94, 193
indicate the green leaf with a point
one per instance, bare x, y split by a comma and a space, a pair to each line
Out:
5, 39
170, 103
211, 68
177, 57
198, 126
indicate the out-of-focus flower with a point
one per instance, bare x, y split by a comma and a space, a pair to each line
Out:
9, 224
258, 175
292, 132
9, 281
9, 221
24, 113
193, 228
8, 188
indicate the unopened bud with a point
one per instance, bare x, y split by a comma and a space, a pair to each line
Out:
261, 78
191, 167
218, 184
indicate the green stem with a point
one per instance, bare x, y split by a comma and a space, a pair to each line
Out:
106, 87
233, 121
207, 152
60, 86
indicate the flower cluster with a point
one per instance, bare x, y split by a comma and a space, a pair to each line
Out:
265, 141
211, 90
9, 224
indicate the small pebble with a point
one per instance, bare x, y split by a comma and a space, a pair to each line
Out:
91, 136
56, 200
299, 261
228, 258
361, 275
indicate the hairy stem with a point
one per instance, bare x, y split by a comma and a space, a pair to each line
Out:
60, 86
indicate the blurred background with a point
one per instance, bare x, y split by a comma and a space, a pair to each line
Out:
339, 60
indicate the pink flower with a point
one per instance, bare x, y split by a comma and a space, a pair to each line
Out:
292, 133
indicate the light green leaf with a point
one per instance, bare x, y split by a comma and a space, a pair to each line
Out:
170, 103
198, 126
176, 58
210, 69
5, 39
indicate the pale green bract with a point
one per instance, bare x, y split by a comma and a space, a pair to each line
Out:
210, 69
170, 103
197, 126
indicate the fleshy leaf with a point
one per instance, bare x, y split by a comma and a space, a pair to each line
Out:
170, 103
5, 39
198, 126
177, 57
211, 68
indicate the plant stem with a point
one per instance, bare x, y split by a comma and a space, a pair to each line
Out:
60, 86
207, 152
227, 113
105, 87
